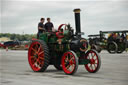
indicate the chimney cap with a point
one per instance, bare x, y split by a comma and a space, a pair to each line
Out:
77, 10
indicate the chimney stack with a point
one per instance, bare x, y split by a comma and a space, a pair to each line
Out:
77, 22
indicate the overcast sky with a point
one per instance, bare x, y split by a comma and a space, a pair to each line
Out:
18, 16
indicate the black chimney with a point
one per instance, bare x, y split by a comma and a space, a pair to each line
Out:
77, 22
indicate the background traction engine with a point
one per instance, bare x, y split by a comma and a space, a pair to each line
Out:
64, 49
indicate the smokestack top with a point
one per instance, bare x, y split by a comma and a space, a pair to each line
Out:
77, 21
77, 10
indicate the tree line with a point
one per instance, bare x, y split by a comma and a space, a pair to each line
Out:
21, 37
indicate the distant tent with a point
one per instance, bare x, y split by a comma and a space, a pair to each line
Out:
4, 39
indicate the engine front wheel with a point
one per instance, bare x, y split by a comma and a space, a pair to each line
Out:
94, 61
69, 62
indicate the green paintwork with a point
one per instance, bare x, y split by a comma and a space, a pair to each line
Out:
53, 40
84, 61
44, 37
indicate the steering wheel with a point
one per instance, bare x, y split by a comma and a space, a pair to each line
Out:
59, 34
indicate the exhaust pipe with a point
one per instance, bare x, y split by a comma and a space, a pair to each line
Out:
77, 22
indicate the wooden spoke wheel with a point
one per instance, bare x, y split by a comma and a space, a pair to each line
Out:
69, 62
95, 62
38, 56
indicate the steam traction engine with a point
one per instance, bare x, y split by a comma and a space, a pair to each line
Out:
64, 49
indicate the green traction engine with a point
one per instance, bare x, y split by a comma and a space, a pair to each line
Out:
64, 49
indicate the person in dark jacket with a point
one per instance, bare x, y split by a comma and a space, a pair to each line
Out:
49, 25
41, 27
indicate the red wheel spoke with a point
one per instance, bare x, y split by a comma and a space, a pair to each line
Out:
94, 65
40, 53
92, 54
41, 58
91, 67
68, 57
71, 59
65, 63
39, 49
72, 63
68, 67
39, 63
36, 46
33, 57
34, 50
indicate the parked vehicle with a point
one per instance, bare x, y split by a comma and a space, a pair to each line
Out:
112, 41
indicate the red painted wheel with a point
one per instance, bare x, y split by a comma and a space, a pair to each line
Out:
38, 56
69, 62
95, 62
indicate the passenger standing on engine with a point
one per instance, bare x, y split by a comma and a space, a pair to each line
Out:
41, 27
49, 25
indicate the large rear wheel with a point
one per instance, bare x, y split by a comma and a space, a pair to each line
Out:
69, 62
94, 61
38, 56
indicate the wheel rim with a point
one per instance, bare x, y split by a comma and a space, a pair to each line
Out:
68, 62
112, 47
36, 56
94, 62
